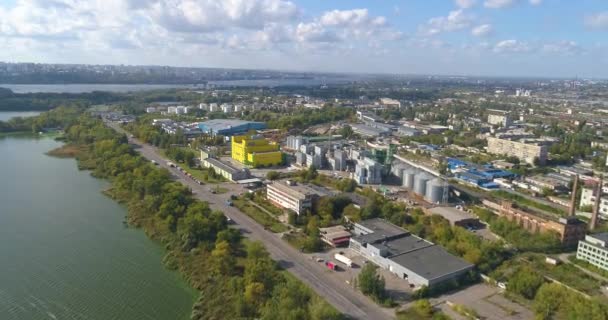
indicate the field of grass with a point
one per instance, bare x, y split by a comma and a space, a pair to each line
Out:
563, 272
295, 239
259, 216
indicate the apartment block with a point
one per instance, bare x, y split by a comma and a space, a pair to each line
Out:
523, 151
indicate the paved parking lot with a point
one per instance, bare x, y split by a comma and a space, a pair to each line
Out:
399, 289
487, 301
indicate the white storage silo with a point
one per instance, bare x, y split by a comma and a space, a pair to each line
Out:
434, 191
420, 181
408, 178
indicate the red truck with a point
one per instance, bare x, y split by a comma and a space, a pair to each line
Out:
331, 266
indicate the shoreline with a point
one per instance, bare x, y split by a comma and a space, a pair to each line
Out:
73, 151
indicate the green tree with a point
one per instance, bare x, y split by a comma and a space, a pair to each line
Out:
223, 259
371, 283
525, 282
347, 131
273, 175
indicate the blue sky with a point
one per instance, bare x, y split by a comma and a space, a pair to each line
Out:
560, 38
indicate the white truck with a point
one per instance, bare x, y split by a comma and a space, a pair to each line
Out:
344, 259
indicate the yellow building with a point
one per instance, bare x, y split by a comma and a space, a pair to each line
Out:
256, 151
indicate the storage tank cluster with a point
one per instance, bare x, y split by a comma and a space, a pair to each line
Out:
434, 190
422, 183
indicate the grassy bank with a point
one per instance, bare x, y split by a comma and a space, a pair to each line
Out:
259, 216
66, 151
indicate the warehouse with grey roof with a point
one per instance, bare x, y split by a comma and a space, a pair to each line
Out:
420, 262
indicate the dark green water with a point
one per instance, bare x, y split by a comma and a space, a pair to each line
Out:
64, 252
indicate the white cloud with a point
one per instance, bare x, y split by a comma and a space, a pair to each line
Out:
536, 2
212, 15
454, 21
499, 4
597, 21
465, 4
511, 46
562, 47
351, 18
482, 30
315, 32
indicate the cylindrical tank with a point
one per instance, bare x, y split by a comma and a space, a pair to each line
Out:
434, 191
398, 171
408, 178
420, 181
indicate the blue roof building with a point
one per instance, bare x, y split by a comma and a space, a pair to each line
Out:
229, 127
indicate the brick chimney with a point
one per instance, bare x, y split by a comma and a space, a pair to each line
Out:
596, 206
572, 211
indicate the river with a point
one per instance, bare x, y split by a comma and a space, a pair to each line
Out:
82, 88
64, 252
7, 115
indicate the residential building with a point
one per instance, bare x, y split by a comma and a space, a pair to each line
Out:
523, 151
256, 151
420, 262
290, 195
588, 199
594, 249
499, 117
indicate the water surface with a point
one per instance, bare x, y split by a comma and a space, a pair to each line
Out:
64, 252
7, 115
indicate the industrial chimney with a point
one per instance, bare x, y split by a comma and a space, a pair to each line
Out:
596, 207
572, 210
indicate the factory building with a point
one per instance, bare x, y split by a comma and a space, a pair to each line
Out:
225, 170
368, 171
294, 142
229, 127
420, 262
569, 229
255, 151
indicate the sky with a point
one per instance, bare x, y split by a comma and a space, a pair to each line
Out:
548, 38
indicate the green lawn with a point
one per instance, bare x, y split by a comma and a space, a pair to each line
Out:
259, 216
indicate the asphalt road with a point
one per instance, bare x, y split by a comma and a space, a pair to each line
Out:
338, 293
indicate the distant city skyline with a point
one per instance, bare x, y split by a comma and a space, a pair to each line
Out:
528, 38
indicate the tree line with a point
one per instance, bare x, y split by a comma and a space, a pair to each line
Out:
237, 280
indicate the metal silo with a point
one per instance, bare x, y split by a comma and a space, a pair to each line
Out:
434, 191
420, 181
408, 178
